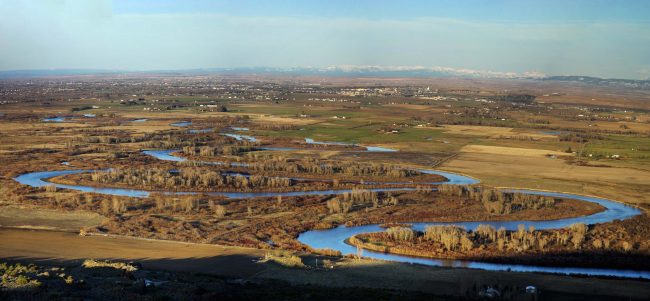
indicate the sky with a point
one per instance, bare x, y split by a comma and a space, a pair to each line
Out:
577, 37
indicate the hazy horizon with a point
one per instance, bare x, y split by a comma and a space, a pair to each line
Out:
593, 38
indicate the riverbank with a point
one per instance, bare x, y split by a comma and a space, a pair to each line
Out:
569, 247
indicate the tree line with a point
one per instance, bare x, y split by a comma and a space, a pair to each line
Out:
497, 201
346, 168
210, 151
360, 198
191, 178
458, 239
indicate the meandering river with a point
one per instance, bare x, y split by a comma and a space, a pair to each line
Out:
335, 238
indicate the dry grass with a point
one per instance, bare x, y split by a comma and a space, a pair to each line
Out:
285, 259
157, 254
29, 217
492, 131
510, 151
140, 127
508, 167
282, 120
604, 97
415, 107
599, 124
477, 130
92, 263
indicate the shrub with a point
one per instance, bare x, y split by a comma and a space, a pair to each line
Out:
22, 280
284, 259
91, 263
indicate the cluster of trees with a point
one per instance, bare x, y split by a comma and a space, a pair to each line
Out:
360, 198
209, 151
497, 201
276, 126
155, 203
524, 240
192, 144
152, 140
518, 137
335, 205
186, 178
111, 139
187, 204
82, 108
346, 168
538, 121
522, 98
580, 137
454, 238
113, 205
451, 237
180, 139
401, 233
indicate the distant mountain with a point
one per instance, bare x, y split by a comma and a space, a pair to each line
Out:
597, 81
380, 71
352, 71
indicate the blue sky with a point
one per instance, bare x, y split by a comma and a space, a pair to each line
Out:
600, 38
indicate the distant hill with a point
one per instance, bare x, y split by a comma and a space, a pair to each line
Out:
597, 81
351, 71
372, 71
348, 71
51, 72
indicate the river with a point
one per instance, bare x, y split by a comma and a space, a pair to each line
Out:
335, 238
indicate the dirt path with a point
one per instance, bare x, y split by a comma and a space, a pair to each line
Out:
53, 247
